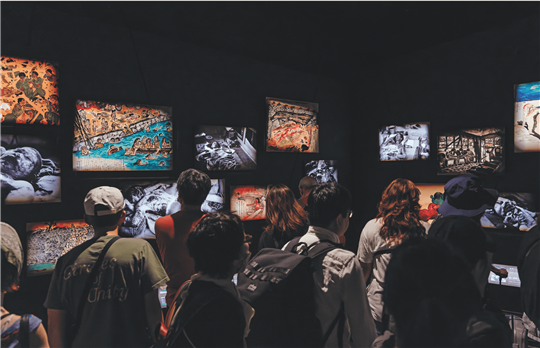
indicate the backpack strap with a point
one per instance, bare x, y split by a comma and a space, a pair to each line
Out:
24, 331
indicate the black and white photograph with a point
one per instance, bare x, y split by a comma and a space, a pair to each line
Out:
404, 143
512, 211
30, 169
215, 201
322, 170
471, 151
220, 148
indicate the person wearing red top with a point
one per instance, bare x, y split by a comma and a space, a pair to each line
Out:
172, 231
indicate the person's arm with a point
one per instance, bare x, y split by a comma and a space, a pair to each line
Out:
364, 253
366, 269
154, 316
39, 338
58, 328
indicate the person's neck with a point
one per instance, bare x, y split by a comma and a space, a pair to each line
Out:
105, 231
190, 207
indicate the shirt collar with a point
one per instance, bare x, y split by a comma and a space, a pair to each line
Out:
323, 233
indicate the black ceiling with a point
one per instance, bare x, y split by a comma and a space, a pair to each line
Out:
335, 39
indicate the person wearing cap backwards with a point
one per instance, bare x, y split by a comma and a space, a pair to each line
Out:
487, 327
12, 263
122, 308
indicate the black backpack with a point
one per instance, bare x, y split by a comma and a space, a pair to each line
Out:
279, 286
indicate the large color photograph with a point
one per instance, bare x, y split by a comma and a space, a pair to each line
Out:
471, 151
29, 92
322, 170
47, 241
431, 197
249, 202
122, 137
30, 169
404, 143
518, 211
292, 126
220, 148
526, 118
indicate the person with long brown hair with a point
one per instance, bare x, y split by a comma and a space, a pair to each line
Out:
397, 220
286, 218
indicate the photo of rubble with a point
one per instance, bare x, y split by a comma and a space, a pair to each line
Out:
220, 148
517, 211
322, 170
249, 202
471, 151
527, 117
48, 241
404, 143
292, 126
215, 201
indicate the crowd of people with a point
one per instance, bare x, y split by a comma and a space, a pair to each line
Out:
411, 283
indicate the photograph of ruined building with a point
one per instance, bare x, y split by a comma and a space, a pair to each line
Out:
122, 137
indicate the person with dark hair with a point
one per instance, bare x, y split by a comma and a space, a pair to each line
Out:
12, 264
121, 307
307, 183
208, 311
172, 231
429, 294
398, 220
339, 280
286, 218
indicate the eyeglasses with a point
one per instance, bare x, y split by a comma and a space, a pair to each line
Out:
351, 213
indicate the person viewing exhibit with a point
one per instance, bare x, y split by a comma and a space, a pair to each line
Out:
286, 218
13, 334
306, 185
398, 219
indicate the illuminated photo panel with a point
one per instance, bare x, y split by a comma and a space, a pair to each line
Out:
249, 202
431, 197
518, 211
527, 118
404, 143
322, 170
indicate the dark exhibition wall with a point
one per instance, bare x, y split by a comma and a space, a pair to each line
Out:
467, 83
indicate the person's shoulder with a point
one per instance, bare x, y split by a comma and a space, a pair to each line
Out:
164, 222
373, 226
342, 255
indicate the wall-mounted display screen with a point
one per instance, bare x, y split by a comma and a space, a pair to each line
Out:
292, 126
513, 211
431, 197
249, 202
404, 143
30, 169
215, 201
29, 92
122, 137
527, 117
47, 241
322, 170
471, 151
225, 148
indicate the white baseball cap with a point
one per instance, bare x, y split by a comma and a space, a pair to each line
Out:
11, 245
111, 197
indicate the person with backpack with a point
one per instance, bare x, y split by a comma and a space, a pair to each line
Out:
339, 287
398, 220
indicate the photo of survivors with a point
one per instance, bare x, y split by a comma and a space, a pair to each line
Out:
220, 148
472, 151
292, 126
47, 241
215, 201
431, 197
249, 202
513, 211
404, 143
322, 170
122, 137
527, 118
29, 92
30, 169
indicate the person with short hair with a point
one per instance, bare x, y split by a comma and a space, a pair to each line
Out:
172, 231
339, 280
12, 264
307, 183
122, 308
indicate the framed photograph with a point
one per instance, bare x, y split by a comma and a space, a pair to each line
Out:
30, 169
220, 148
29, 92
471, 151
431, 197
517, 211
47, 241
292, 126
122, 137
322, 170
215, 201
249, 202
404, 143
527, 117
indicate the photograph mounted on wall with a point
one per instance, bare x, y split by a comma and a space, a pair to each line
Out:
220, 148
122, 137
215, 201
471, 151
322, 170
431, 197
30, 169
292, 126
48, 241
517, 211
527, 117
404, 143
249, 202
29, 92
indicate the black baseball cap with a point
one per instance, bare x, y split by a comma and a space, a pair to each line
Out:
464, 195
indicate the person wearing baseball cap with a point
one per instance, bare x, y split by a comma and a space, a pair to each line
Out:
122, 307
